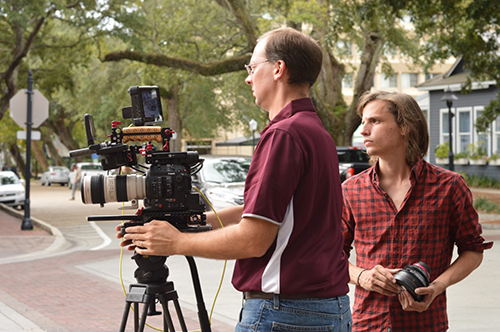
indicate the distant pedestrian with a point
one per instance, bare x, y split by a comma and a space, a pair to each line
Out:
76, 182
401, 211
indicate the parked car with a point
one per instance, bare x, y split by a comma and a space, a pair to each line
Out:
352, 160
86, 168
11, 189
222, 180
55, 174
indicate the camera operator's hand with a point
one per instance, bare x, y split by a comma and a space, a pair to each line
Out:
156, 238
380, 280
430, 293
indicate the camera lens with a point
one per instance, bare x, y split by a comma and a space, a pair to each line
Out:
414, 276
100, 189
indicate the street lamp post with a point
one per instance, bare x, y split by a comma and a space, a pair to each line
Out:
449, 97
253, 126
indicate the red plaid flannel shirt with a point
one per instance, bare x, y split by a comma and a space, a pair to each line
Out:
436, 214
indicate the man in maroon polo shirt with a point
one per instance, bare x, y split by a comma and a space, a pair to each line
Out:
287, 236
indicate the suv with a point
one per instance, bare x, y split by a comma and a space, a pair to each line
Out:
352, 160
85, 169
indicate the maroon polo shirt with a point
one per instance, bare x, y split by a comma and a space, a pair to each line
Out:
294, 182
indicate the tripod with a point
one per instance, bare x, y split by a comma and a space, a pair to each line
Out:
153, 285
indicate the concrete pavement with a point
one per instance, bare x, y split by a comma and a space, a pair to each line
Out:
46, 286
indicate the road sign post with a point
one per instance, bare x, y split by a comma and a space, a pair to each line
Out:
21, 111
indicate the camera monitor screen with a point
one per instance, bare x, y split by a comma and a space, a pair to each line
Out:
146, 105
152, 106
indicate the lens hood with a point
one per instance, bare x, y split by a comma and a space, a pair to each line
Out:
412, 277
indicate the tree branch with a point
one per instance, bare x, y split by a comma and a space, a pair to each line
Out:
205, 69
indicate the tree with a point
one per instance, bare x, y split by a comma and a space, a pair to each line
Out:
36, 35
372, 25
467, 29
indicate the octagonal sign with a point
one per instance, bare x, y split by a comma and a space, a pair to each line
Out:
19, 108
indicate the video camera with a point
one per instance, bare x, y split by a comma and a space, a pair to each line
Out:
165, 186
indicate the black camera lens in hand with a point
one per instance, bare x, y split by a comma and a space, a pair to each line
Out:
414, 276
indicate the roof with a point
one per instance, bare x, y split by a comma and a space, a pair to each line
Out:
455, 79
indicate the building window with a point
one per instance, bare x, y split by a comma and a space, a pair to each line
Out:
496, 141
428, 76
464, 132
409, 80
390, 81
482, 139
347, 81
444, 130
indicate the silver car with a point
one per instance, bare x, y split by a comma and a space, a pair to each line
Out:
222, 180
11, 189
55, 174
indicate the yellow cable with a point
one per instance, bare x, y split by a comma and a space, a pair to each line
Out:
225, 262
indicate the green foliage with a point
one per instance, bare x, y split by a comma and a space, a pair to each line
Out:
460, 155
482, 204
494, 156
442, 150
476, 152
480, 181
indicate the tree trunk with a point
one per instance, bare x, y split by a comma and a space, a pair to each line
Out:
174, 120
54, 154
328, 96
371, 52
59, 123
36, 147
16, 154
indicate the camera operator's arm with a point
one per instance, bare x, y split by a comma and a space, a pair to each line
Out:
251, 237
228, 216
467, 262
379, 279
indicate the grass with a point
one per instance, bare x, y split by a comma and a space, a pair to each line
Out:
481, 181
481, 204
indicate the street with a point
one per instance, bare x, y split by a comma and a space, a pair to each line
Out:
75, 277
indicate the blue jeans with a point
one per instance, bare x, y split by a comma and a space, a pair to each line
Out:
315, 314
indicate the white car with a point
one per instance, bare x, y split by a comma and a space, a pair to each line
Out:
11, 189
86, 169
55, 174
222, 180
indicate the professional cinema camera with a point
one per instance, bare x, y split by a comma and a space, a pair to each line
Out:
166, 191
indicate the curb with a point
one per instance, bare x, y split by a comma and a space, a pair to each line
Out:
55, 248
39, 223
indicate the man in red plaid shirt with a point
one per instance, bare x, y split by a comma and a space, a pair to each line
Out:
401, 211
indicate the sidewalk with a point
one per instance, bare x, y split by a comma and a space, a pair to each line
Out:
54, 294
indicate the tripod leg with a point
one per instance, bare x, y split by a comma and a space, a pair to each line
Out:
179, 314
145, 309
168, 324
125, 317
168, 317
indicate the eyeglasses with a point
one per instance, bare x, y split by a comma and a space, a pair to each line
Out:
250, 67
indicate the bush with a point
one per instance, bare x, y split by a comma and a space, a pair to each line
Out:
481, 204
481, 181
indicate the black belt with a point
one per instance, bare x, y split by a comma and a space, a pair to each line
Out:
270, 296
